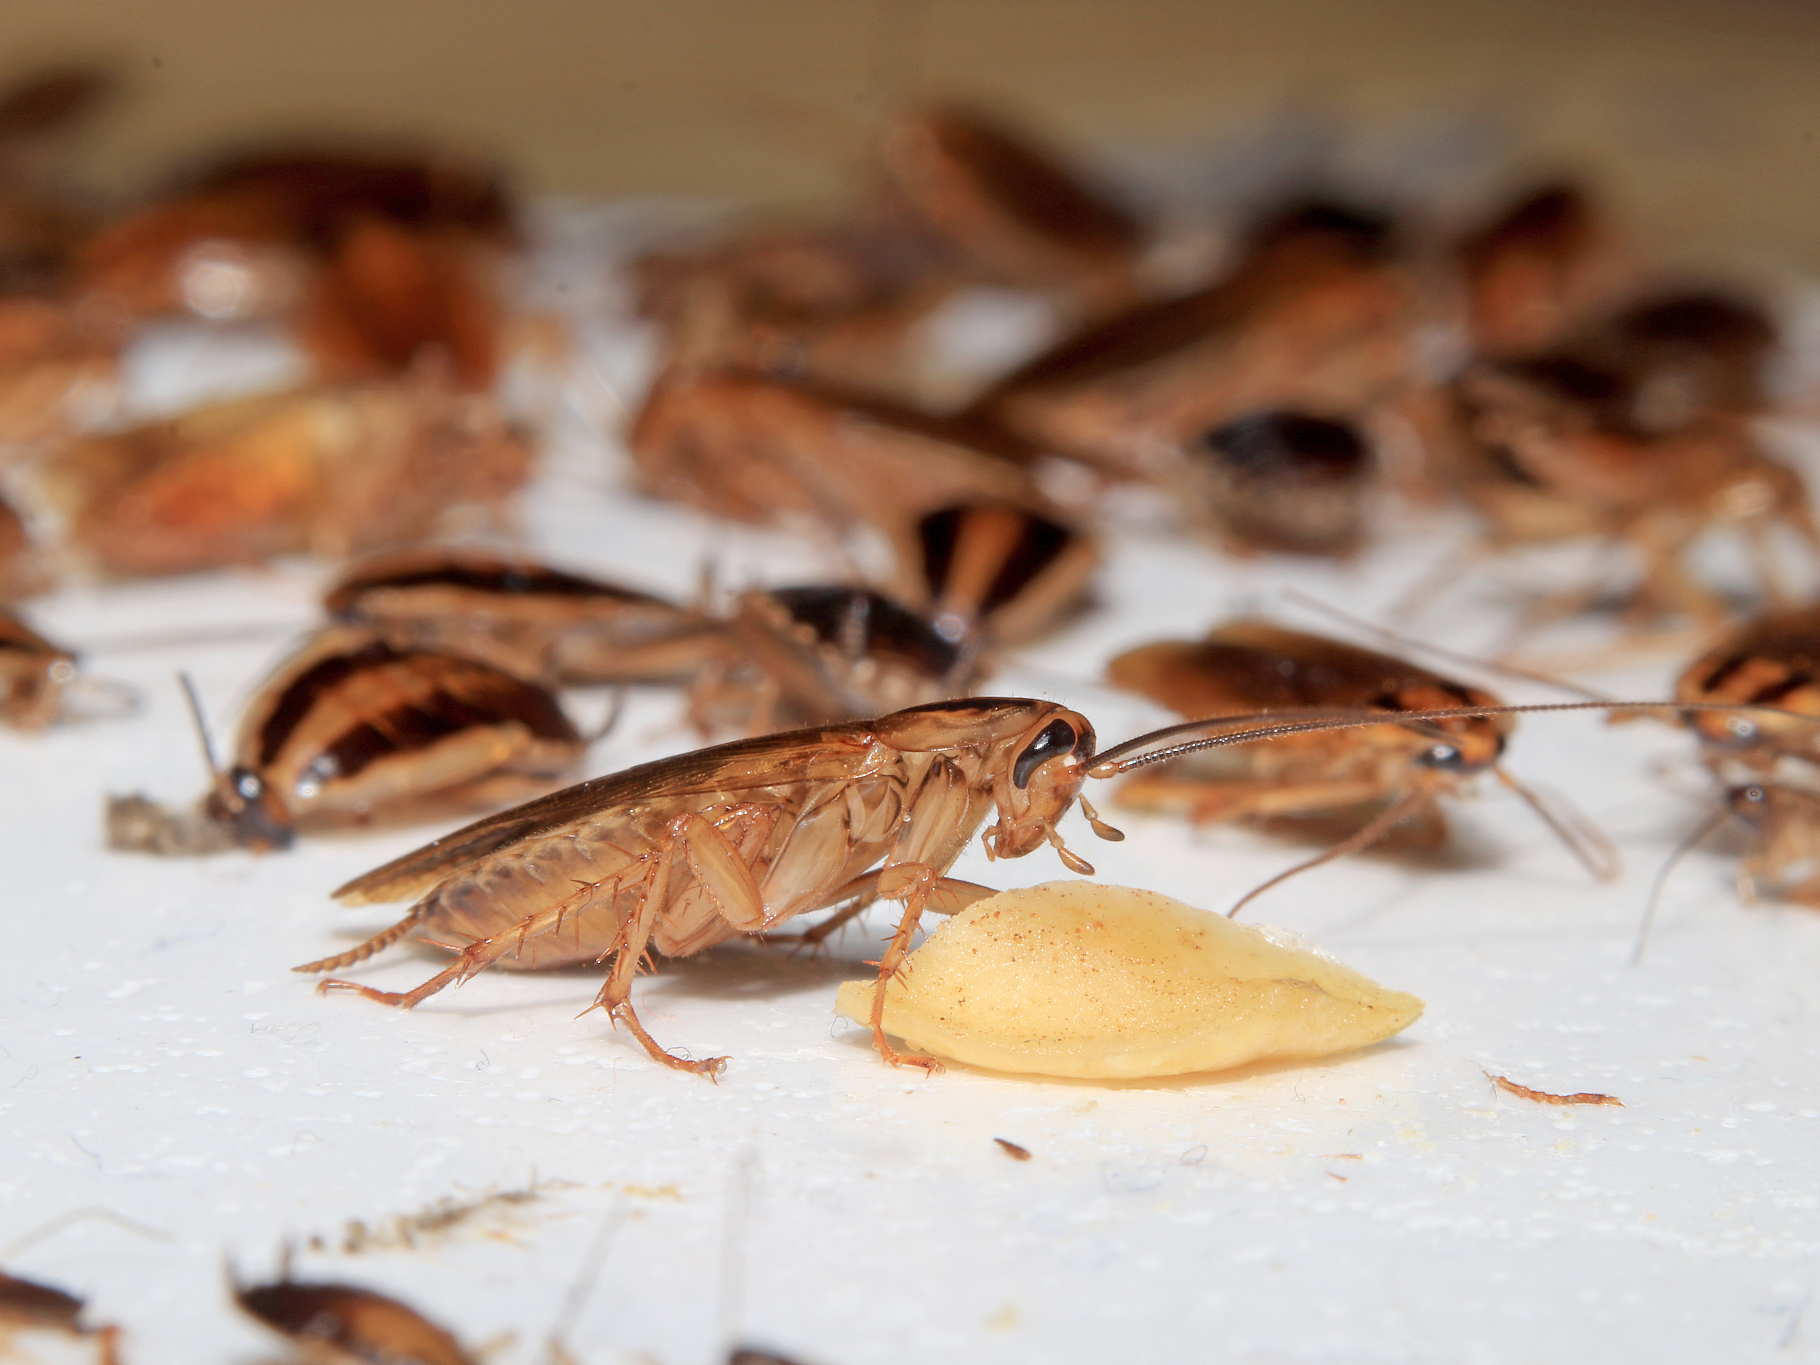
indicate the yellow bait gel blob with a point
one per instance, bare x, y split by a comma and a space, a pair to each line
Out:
1110, 983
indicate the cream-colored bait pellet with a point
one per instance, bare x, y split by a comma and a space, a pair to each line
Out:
1109, 982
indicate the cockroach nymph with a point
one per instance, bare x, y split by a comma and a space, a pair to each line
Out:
351, 730
347, 1325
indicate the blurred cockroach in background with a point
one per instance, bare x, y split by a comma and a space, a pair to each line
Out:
332, 470
342, 1324
38, 1322
541, 623
1363, 785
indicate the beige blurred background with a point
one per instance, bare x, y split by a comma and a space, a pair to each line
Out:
1699, 117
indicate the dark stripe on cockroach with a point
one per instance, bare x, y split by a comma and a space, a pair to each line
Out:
889, 629
1040, 545
1283, 444
1771, 693
295, 701
442, 714
506, 580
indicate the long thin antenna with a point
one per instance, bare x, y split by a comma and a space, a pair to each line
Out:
1380, 825
1124, 757
202, 724
734, 1228
1585, 840
1685, 847
587, 1275
1453, 656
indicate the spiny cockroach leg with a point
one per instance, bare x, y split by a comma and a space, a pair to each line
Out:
914, 882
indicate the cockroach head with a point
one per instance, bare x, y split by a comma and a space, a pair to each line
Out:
245, 806
1048, 764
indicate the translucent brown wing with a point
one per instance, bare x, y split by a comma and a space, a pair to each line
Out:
767, 761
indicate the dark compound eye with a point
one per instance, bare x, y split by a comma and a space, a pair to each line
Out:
1445, 758
1057, 737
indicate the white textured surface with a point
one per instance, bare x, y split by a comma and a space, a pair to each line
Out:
162, 1064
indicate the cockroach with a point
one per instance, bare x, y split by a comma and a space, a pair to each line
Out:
1286, 481
386, 256
756, 449
837, 305
525, 617
1767, 762
1010, 209
675, 856
33, 1315
1314, 316
33, 675
681, 854
333, 470
810, 655
351, 729
1542, 267
1013, 1150
1654, 492
995, 571
1370, 781
342, 1324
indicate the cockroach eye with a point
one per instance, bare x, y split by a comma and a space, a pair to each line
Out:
1443, 757
1057, 737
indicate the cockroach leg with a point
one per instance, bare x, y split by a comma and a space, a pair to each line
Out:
1585, 840
720, 870
384, 939
913, 882
1405, 805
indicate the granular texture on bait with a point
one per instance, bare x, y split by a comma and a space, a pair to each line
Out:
1106, 982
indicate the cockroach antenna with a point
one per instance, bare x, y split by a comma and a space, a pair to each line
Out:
1452, 656
1682, 849
587, 1275
202, 725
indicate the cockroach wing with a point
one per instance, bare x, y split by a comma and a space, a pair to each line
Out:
828, 753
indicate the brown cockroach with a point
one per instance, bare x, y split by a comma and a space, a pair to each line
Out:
675, 856
1285, 481
681, 854
525, 617
351, 729
384, 256
1314, 316
333, 470
998, 571
1010, 209
1767, 761
816, 654
33, 1315
756, 448
33, 675
1372, 782
1656, 492
342, 1324
1539, 270
838, 304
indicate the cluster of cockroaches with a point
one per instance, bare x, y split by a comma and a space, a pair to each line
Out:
788, 391
323, 1323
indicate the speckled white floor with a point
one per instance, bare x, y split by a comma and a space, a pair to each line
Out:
161, 1065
